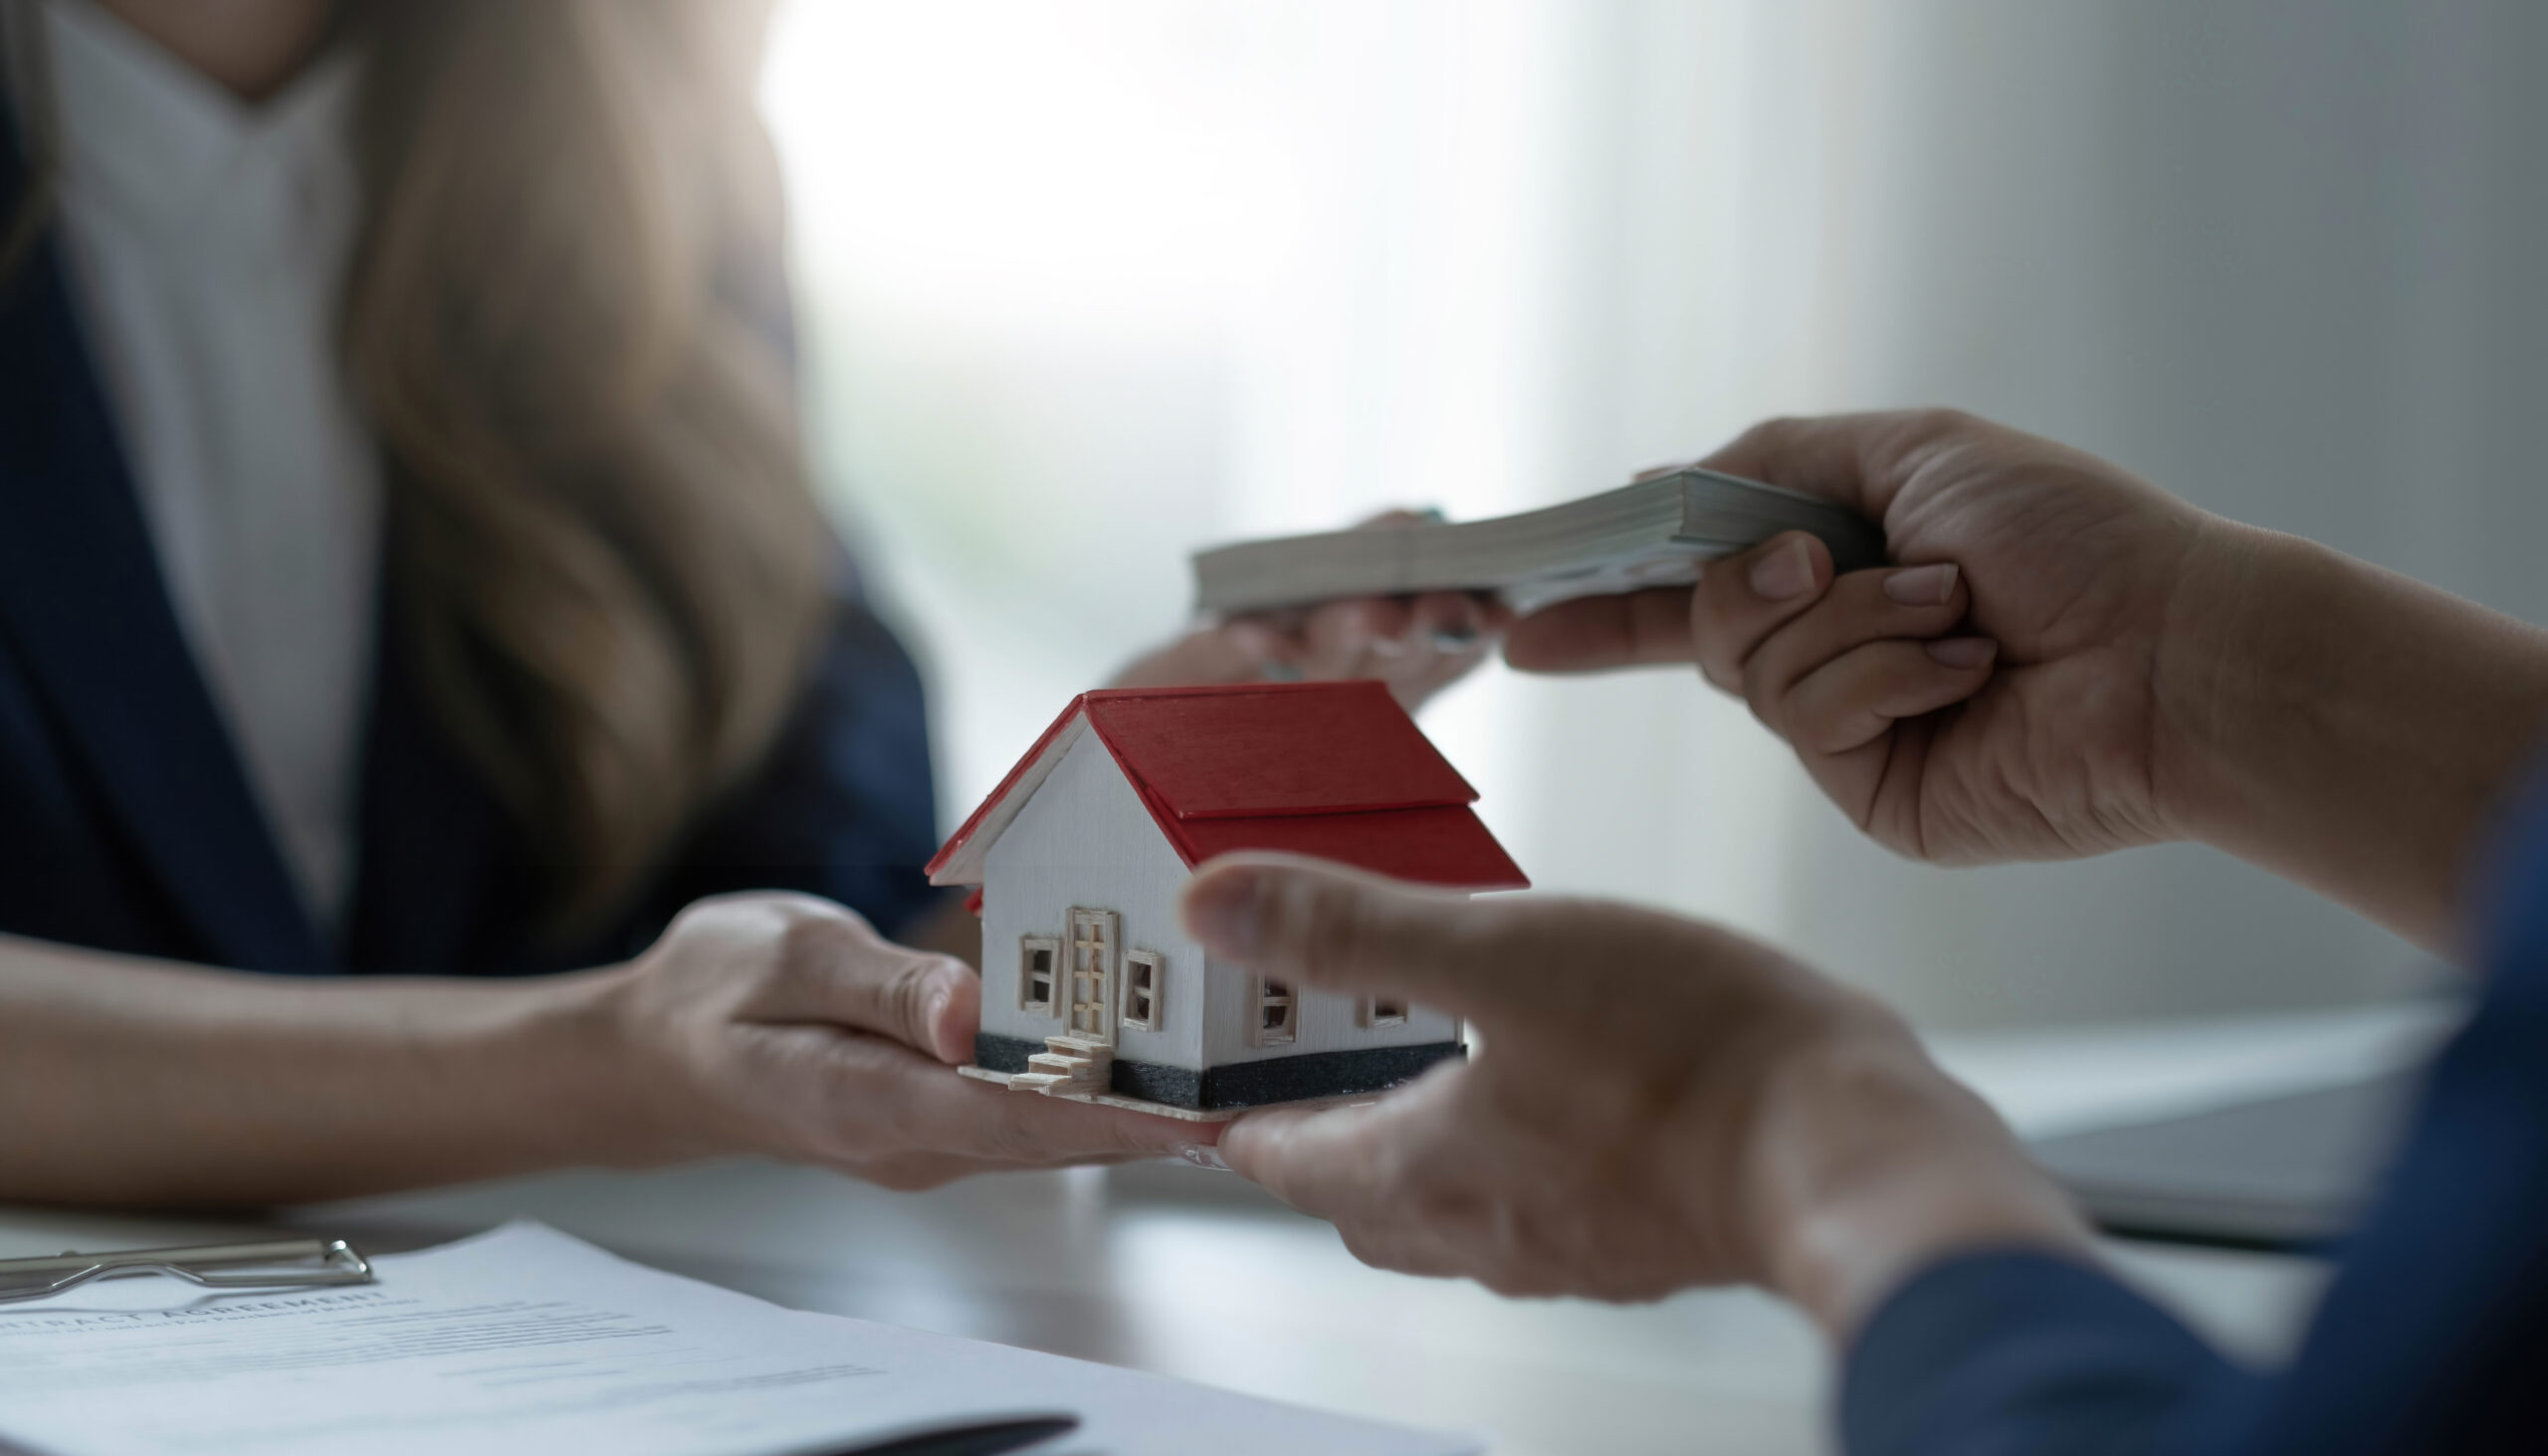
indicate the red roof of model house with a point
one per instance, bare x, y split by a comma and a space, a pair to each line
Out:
1335, 770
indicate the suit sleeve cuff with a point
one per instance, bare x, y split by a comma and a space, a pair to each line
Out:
1998, 1354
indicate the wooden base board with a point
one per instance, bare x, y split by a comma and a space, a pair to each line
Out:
1164, 1110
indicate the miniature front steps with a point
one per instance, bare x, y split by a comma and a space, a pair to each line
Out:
1069, 1065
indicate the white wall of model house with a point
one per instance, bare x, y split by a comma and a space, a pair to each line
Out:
1085, 841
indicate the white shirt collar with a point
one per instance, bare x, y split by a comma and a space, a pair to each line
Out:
150, 141
208, 240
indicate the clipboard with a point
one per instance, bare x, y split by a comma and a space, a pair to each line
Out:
275, 1264
287, 1264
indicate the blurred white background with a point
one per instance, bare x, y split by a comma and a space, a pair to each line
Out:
1089, 284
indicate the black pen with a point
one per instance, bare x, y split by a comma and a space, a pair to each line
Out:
988, 1438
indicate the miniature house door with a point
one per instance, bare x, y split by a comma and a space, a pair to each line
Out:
1095, 943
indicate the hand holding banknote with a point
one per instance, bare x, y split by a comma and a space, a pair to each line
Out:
2063, 659
1418, 644
1994, 693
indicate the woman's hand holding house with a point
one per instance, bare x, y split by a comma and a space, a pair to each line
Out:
783, 1025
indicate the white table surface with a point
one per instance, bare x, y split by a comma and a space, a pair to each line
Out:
1194, 1274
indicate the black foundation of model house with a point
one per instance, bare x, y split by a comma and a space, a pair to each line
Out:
1243, 1083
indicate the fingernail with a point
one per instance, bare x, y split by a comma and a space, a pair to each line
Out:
1254, 638
1785, 572
1922, 586
1278, 672
1220, 909
1204, 1155
1454, 639
933, 1018
1963, 652
1430, 513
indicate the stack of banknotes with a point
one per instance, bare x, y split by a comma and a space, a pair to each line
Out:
1655, 532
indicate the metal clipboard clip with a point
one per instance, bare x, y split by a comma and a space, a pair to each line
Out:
280, 1264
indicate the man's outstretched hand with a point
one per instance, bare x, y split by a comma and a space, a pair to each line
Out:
1655, 1103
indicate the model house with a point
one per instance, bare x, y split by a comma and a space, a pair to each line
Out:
1091, 987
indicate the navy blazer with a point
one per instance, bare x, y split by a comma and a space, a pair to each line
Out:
126, 820
2432, 1338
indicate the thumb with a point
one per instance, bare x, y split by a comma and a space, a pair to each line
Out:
1857, 460
929, 1003
1328, 926
949, 1020
833, 967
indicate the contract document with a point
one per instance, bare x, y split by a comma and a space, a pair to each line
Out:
526, 1340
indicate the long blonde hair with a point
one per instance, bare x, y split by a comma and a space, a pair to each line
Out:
565, 322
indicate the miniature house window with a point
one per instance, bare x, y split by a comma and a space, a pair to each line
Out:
1375, 1014
1040, 959
1145, 990
1278, 1013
